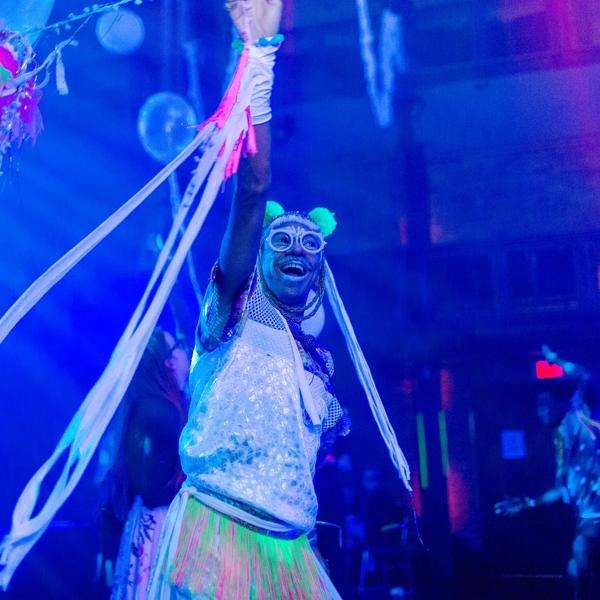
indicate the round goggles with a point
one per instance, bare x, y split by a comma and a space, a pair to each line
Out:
283, 238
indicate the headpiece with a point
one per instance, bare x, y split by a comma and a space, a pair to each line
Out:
320, 217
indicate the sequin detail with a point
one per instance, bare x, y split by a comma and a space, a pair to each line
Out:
247, 437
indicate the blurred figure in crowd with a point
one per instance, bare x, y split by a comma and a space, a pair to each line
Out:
576, 437
139, 469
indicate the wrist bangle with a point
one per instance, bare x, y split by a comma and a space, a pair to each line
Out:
262, 42
275, 40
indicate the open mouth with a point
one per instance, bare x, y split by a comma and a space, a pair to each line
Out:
293, 269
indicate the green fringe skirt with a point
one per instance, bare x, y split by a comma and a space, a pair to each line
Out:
220, 559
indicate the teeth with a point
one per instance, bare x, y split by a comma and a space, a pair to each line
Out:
293, 268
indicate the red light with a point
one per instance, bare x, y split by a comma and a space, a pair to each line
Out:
546, 370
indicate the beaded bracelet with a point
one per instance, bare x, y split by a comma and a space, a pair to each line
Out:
262, 42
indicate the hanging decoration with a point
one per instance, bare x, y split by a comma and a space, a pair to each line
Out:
85, 14
381, 74
20, 90
165, 125
120, 31
20, 117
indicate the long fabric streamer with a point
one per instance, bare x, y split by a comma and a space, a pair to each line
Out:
222, 137
366, 379
175, 197
61, 267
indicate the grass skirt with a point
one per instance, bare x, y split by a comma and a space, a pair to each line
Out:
219, 559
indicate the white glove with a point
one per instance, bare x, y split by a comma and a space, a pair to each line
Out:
262, 62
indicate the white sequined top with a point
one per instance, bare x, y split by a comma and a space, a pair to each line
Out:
248, 437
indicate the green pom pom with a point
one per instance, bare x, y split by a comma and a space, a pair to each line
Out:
325, 219
273, 210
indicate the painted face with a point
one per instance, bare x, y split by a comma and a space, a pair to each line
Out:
291, 258
178, 362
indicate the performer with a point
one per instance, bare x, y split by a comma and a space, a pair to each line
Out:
139, 468
261, 391
576, 437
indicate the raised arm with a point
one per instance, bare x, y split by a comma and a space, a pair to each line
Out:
512, 506
254, 19
571, 369
239, 247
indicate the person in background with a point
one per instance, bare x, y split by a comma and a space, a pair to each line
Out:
139, 468
576, 437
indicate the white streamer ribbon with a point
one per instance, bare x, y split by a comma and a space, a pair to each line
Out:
91, 420
61, 267
61, 78
366, 379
